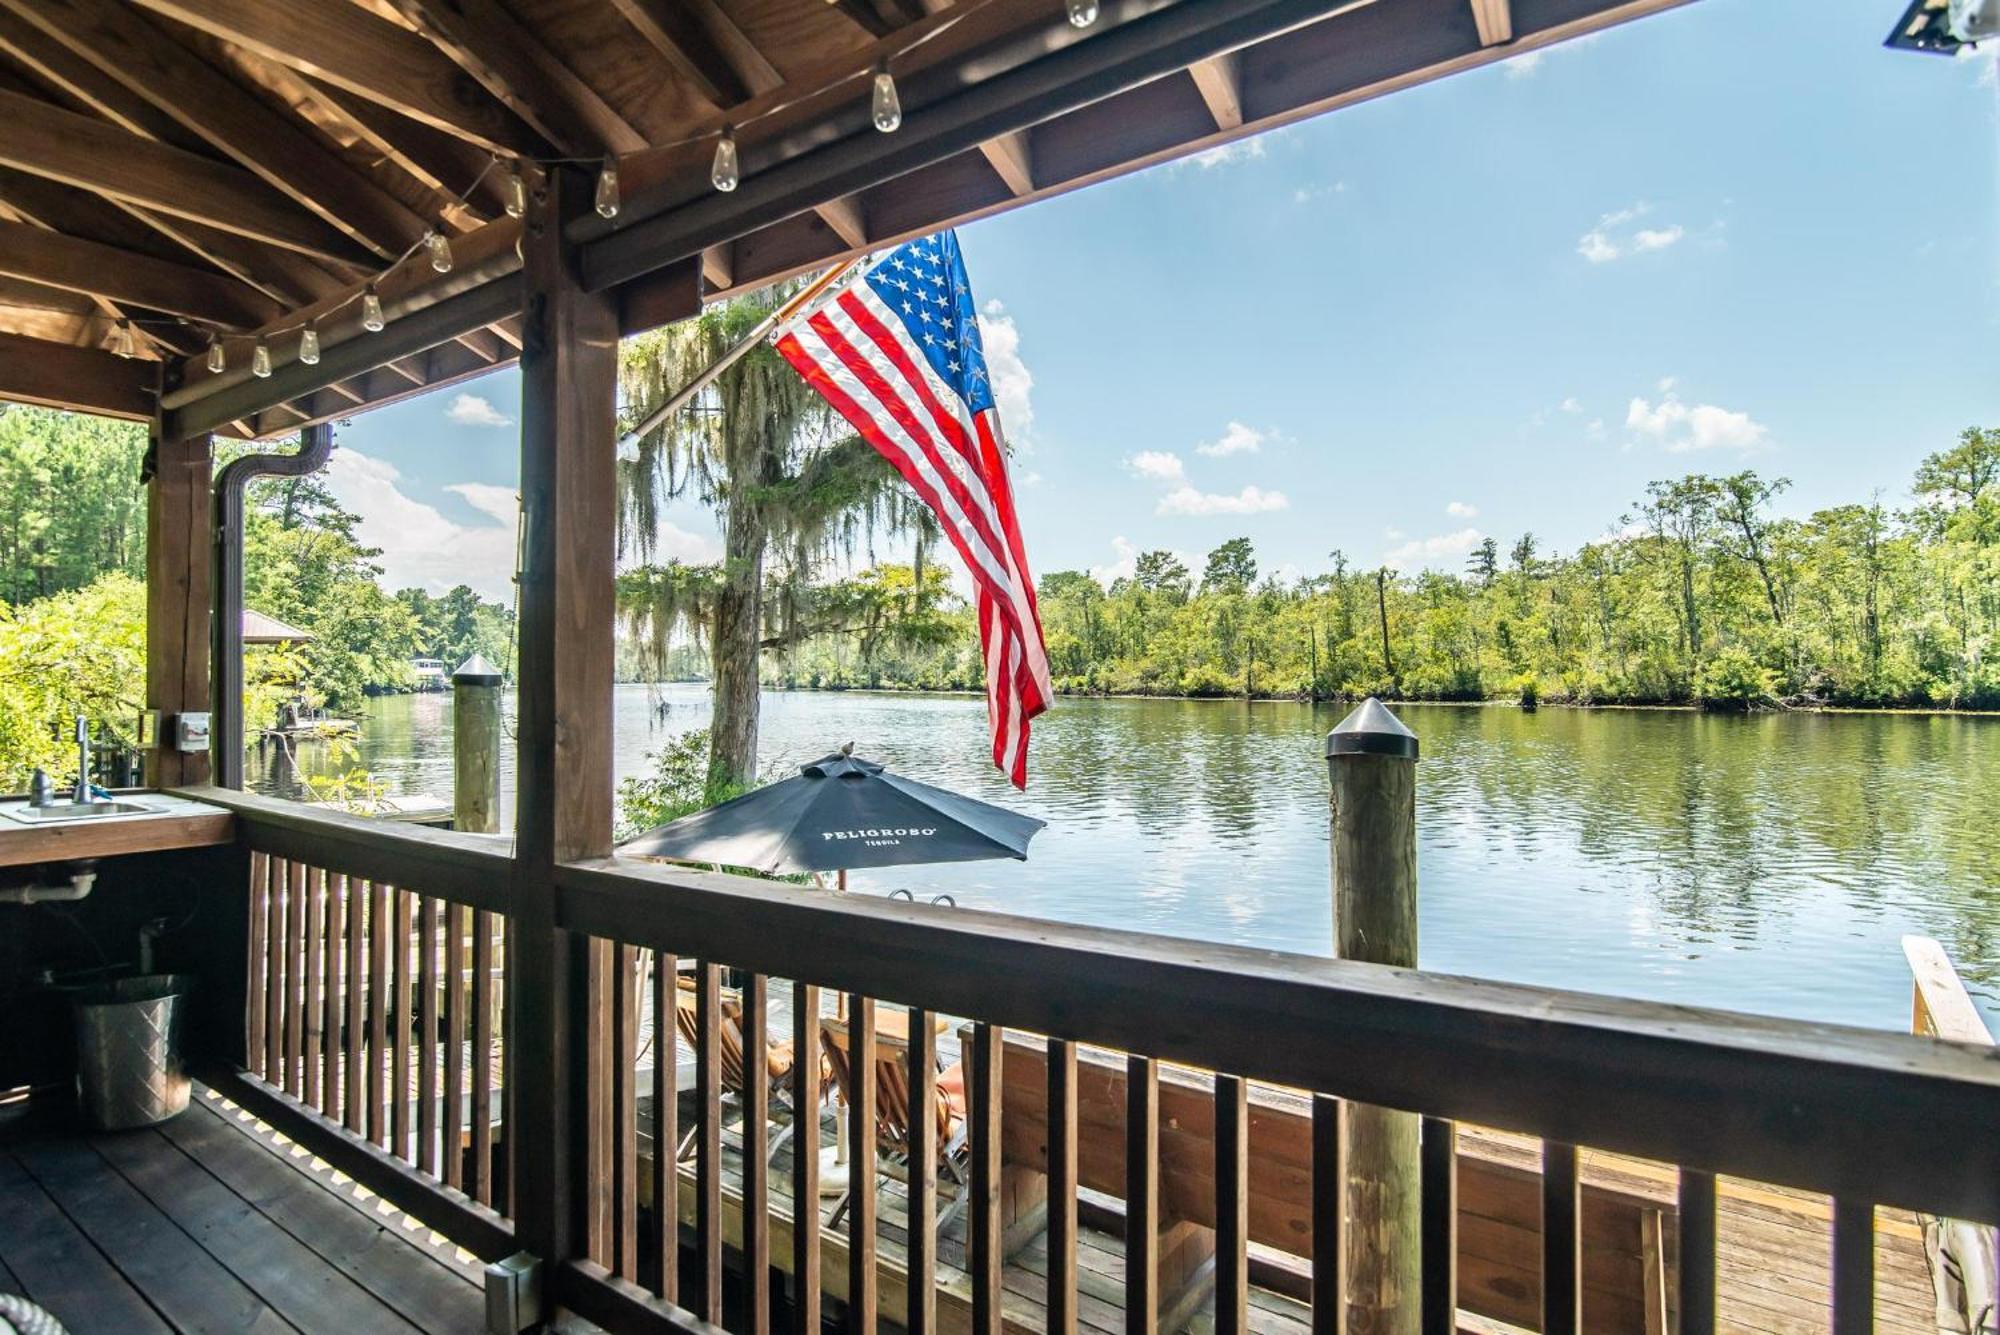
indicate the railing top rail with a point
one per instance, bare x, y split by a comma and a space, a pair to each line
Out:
1832, 1108
465, 868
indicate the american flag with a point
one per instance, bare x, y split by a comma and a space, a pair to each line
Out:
898, 355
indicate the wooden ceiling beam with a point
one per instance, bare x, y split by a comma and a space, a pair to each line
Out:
864, 16
88, 267
148, 62
1217, 81
672, 29
341, 43
1012, 157
1495, 21
445, 163
847, 219
84, 151
83, 380
514, 65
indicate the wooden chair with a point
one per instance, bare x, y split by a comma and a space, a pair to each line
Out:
895, 1138
778, 1060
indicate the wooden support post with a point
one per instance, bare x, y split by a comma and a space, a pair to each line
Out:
475, 746
569, 433
178, 497
1371, 764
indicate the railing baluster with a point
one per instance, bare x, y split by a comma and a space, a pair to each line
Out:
920, 1317
258, 966
1696, 1213
1142, 1195
756, 1159
1329, 1222
481, 1109
353, 1030
379, 987
983, 1249
280, 917
1562, 1241
708, 1151
625, 1112
335, 898
861, 1283
666, 1122
314, 893
1060, 1301
601, 1060
1853, 1266
1439, 1189
453, 1146
1232, 1204
427, 1034
295, 957
399, 1027
805, 1159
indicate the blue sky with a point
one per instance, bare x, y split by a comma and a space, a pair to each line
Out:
1739, 234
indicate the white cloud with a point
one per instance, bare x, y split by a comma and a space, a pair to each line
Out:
1306, 194
1236, 438
501, 504
1523, 65
1460, 510
1222, 155
1124, 567
1596, 429
1185, 500
476, 410
1159, 465
1446, 548
1528, 62
1682, 428
1570, 405
1614, 237
1013, 383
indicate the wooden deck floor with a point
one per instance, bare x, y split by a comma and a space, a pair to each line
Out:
205, 1224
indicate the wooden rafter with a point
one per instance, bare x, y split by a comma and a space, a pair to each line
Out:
511, 63
1012, 157
89, 267
445, 163
34, 370
341, 43
1216, 80
87, 152
1495, 20
148, 62
673, 30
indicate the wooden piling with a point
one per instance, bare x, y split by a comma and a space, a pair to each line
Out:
475, 746
1371, 765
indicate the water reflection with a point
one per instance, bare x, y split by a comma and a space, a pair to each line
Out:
1768, 863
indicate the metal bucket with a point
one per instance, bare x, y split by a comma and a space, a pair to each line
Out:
128, 1051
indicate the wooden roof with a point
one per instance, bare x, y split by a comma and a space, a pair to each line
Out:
221, 167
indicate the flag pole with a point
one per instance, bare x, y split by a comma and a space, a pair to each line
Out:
680, 398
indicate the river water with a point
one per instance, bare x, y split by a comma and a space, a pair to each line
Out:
1766, 864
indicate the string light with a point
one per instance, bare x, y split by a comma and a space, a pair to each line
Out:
371, 310
517, 192
723, 173
260, 359
607, 190
121, 340
1082, 13
309, 345
218, 361
440, 250
885, 106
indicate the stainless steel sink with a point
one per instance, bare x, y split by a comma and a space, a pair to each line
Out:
71, 811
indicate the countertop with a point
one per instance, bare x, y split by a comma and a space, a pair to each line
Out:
176, 822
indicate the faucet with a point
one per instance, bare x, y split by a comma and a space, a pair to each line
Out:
82, 794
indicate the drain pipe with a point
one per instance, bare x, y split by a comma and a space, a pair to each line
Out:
226, 631
82, 875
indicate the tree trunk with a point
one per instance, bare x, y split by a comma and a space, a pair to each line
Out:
734, 647
1382, 612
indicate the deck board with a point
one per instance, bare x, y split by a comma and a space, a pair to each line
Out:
203, 1225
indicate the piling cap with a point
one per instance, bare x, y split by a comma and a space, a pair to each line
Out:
1371, 730
476, 671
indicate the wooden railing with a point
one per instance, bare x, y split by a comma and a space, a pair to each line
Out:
1866, 1118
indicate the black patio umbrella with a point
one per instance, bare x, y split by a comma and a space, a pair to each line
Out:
837, 814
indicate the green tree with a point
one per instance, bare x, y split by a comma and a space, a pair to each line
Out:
1232, 567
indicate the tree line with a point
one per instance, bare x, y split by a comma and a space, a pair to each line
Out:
1703, 592
73, 606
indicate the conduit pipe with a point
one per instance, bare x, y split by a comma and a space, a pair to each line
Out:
60, 892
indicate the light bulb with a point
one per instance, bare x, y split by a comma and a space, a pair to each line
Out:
886, 107
1082, 13
371, 310
218, 362
517, 192
121, 340
260, 359
440, 250
607, 191
723, 174
309, 345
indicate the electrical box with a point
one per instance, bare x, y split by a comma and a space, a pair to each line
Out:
191, 732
